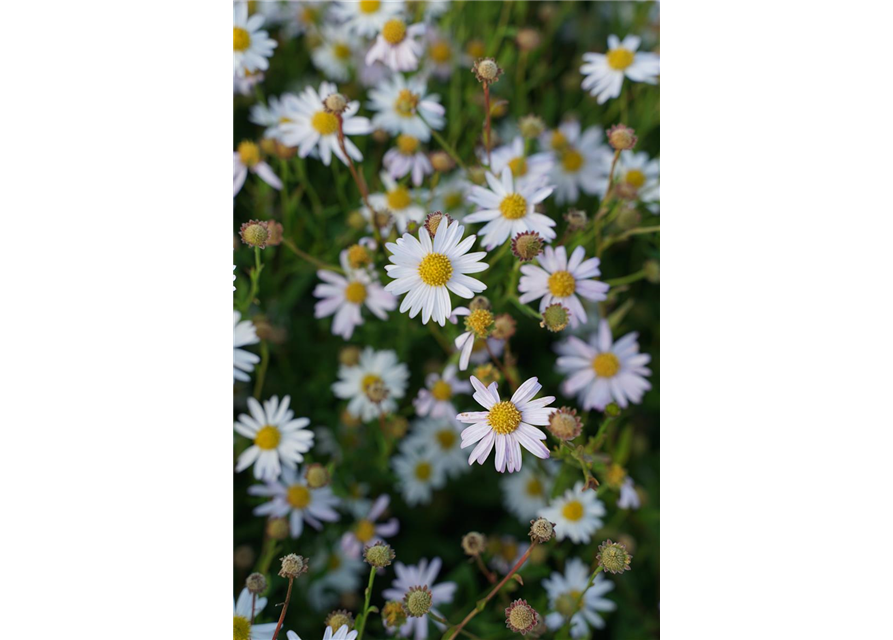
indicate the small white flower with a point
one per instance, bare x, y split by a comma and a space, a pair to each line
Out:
366, 17
565, 589
251, 45
367, 532
603, 370
629, 498
423, 574
398, 46
373, 368
581, 161
335, 55
442, 55
526, 492
419, 473
398, 201
427, 271
560, 280
439, 438
450, 194
273, 114
577, 514
638, 171
345, 296
243, 335
534, 168
278, 437
436, 398
508, 209
247, 158
604, 72
343, 633
300, 16
399, 103
506, 424
311, 128
405, 158
291, 498
242, 627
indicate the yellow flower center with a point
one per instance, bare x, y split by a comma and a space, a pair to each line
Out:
478, 322
442, 390
249, 153
606, 365
241, 628
572, 511
267, 438
368, 380
571, 160
341, 51
369, 6
423, 470
399, 198
241, 39
357, 256
435, 269
534, 487
365, 531
407, 144
406, 103
504, 417
452, 200
513, 206
635, 177
325, 123
394, 31
298, 496
355, 292
446, 438
620, 59
562, 284
309, 15
615, 475
440, 51
558, 140
518, 166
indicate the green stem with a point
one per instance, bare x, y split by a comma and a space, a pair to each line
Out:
262, 369
633, 277
361, 625
306, 256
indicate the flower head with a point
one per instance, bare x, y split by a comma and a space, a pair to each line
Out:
604, 72
613, 557
293, 566
278, 437
486, 70
417, 601
520, 617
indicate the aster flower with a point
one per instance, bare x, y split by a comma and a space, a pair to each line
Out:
251, 45
398, 45
273, 114
243, 335
436, 398
398, 201
577, 514
419, 472
423, 574
242, 610
405, 158
300, 16
450, 193
374, 367
439, 438
639, 176
534, 168
508, 209
247, 158
442, 55
581, 161
291, 497
605, 71
399, 103
520, 617
526, 492
367, 532
278, 437
427, 271
564, 590
560, 280
334, 57
602, 370
366, 17
506, 424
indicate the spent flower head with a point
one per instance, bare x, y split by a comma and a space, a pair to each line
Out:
541, 530
277, 528
293, 566
527, 245
531, 126
417, 601
555, 317
379, 555
317, 476
433, 220
565, 424
576, 219
335, 103
621, 137
256, 583
255, 233
613, 556
339, 618
504, 326
520, 617
474, 543
486, 70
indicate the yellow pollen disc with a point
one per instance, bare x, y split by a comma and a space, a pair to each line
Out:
365, 531
513, 206
442, 390
369, 6
562, 284
518, 166
241, 39
558, 140
572, 511
355, 292
534, 487
435, 269
620, 59
325, 123
452, 200
478, 322
341, 51
504, 417
407, 144
298, 496
267, 438
249, 153
394, 31
606, 365
571, 160
241, 628
423, 470
446, 438
406, 103
368, 380
399, 198
635, 177
440, 51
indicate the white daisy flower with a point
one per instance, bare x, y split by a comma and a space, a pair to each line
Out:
440, 438
565, 589
534, 168
366, 17
560, 280
273, 114
436, 399
641, 176
374, 367
345, 295
577, 514
399, 103
339, 574
581, 161
243, 335
242, 627
405, 158
526, 492
291, 498
506, 424
247, 158
506, 551
424, 575
398, 46
450, 194
312, 128
344, 633
629, 497
301, 16
251, 45
335, 55
427, 271
508, 209
443, 56
398, 201
367, 532
603, 371
278, 437
419, 473
605, 71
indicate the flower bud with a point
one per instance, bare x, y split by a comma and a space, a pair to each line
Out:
527, 245
243, 557
275, 231
520, 617
612, 410
317, 476
531, 126
504, 327
474, 543
441, 161
622, 137
555, 317
576, 219
293, 566
417, 601
349, 356
565, 424
255, 233
477, 175
541, 530
380, 135
379, 555
479, 302
652, 271
256, 583
528, 39
433, 220
613, 557
277, 528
